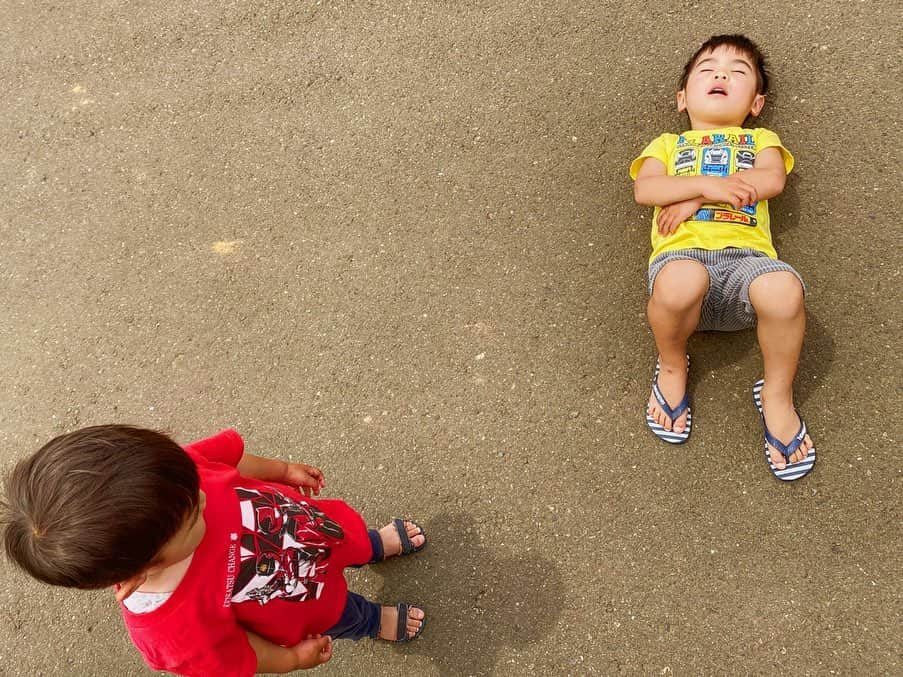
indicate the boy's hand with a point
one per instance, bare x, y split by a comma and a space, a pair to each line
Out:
307, 478
730, 189
313, 651
671, 216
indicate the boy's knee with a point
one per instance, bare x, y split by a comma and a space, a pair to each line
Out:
777, 294
680, 285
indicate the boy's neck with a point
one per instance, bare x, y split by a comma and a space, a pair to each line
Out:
168, 578
705, 125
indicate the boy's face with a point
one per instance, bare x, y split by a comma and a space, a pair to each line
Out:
187, 539
721, 90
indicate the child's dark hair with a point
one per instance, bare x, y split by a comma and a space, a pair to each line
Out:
740, 43
94, 507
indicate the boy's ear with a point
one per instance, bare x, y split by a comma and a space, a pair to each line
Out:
757, 105
681, 101
128, 586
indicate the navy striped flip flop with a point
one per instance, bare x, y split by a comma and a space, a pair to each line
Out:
669, 436
792, 471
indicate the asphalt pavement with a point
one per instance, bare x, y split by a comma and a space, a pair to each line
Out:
397, 240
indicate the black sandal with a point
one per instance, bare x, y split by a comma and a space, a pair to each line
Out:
407, 546
401, 630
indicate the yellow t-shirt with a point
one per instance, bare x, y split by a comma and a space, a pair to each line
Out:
714, 152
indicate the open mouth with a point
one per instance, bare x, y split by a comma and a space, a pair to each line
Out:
718, 90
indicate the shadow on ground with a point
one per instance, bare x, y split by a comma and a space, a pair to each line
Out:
482, 603
714, 351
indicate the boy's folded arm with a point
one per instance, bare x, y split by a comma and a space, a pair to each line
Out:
654, 188
768, 174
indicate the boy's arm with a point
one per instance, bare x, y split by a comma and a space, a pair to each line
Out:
653, 187
768, 174
672, 215
307, 478
308, 653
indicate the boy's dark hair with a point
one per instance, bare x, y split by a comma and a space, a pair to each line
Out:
94, 507
740, 43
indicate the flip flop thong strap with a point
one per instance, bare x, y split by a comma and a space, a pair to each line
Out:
674, 413
407, 547
786, 449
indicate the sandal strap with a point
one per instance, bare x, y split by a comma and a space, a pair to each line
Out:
401, 630
407, 547
786, 449
674, 413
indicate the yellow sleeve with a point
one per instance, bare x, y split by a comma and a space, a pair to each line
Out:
765, 138
657, 149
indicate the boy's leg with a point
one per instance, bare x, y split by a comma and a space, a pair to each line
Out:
777, 298
673, 310
362, 618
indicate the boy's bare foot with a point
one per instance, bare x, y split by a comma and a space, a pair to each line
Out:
672, 381
388, 623
392, 541
783, 422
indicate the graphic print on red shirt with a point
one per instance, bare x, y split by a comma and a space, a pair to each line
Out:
285, 547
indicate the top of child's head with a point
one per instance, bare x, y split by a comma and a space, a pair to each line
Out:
99, 505
723, 83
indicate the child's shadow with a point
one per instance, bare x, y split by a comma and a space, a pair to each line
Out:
477, 602
735, 348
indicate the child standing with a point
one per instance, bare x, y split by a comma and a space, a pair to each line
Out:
223, 563
713, 265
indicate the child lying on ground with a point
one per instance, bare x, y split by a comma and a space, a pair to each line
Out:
713, 265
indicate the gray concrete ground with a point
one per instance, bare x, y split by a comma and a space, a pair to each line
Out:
397, 240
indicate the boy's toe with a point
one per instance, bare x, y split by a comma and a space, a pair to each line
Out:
803, 451
415, 620
415, 533
777, 458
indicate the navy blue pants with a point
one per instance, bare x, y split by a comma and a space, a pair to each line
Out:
360, 618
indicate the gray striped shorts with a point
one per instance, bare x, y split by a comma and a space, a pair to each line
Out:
726, 306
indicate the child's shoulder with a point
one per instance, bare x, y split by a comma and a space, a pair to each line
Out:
664, 142
759, 132
666, 137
